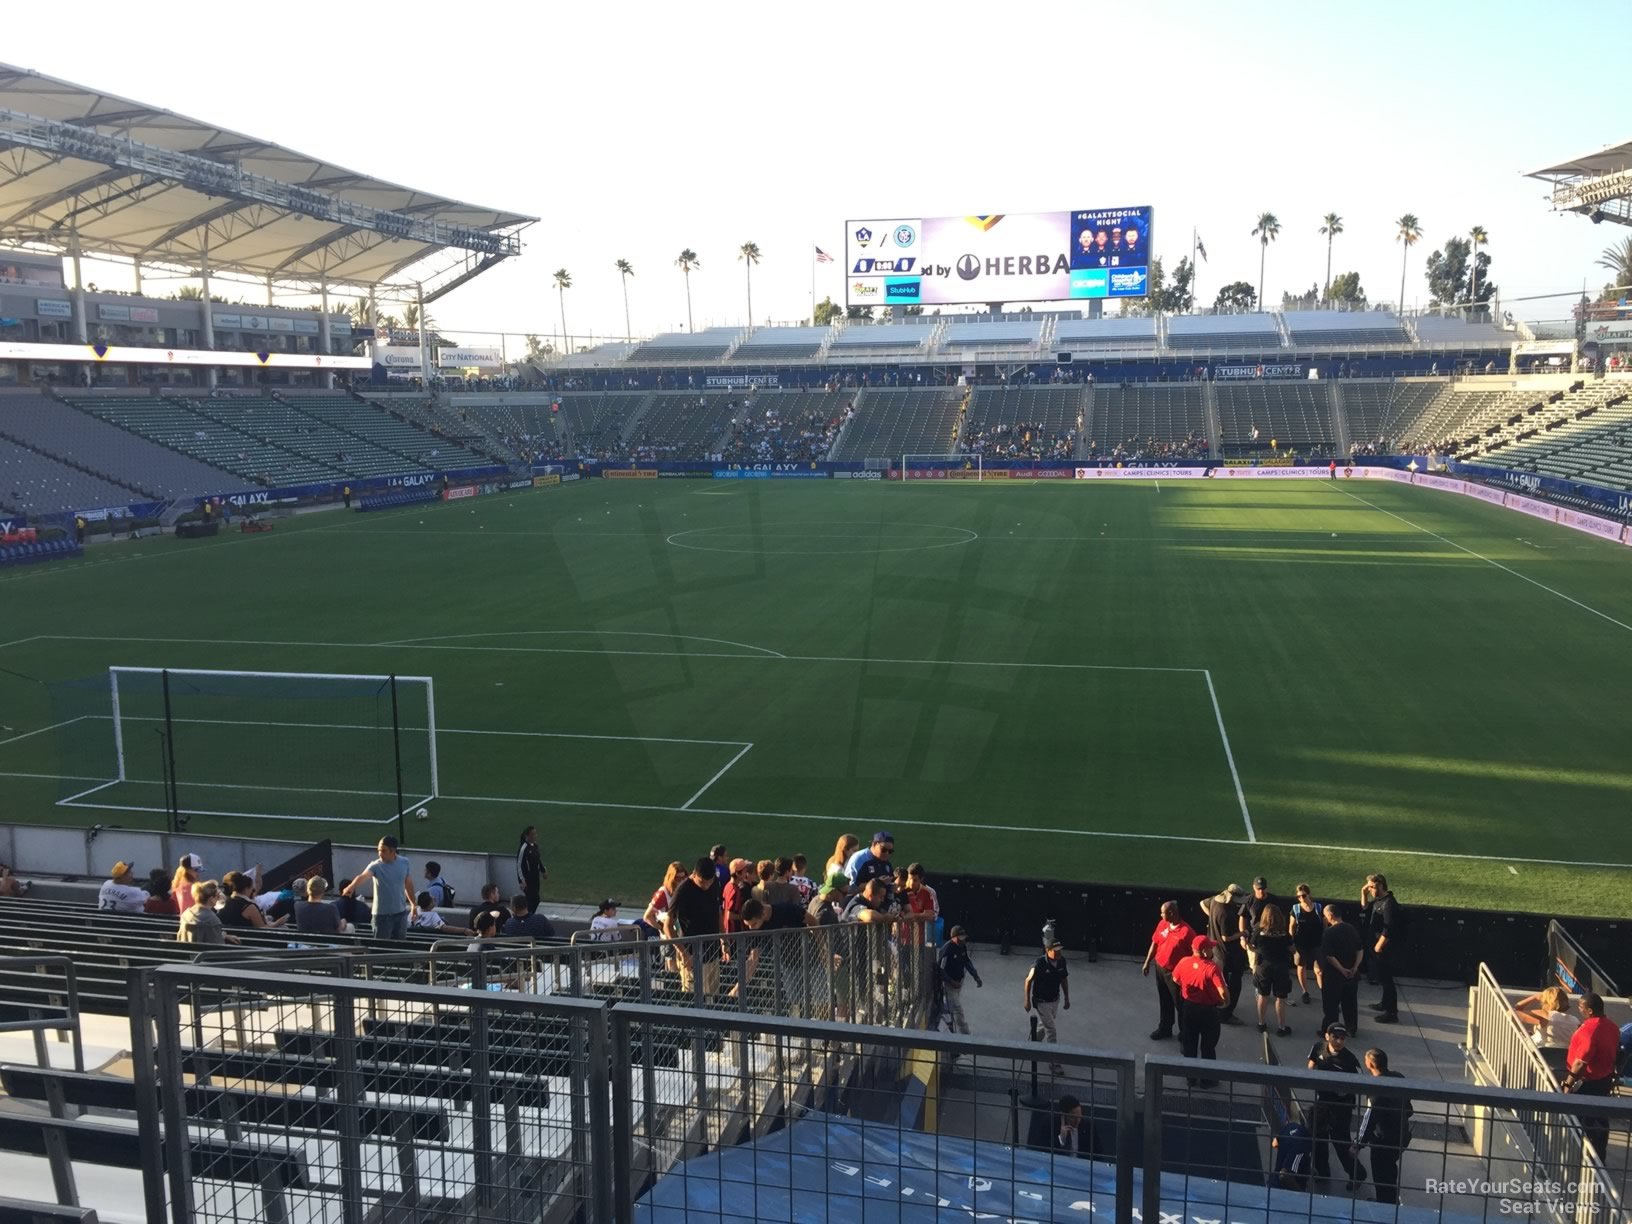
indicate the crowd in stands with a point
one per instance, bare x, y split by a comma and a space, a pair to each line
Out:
1134, 450
770, 436
1018, 440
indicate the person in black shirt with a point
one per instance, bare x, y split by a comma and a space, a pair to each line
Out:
1046, 985
1382, 923
1338, 972
1223, 913
530, 873
1059, 1129
491, 903
1333, 1116
1253, 910
1385, 1128
695, 911
1271, 945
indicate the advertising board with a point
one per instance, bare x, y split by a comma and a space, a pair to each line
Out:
1013, 257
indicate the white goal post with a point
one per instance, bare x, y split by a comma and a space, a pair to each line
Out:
275, 745
954, 465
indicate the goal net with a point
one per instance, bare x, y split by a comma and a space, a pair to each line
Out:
952, 465
255, 745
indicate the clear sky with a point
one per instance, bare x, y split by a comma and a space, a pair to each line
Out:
636, 129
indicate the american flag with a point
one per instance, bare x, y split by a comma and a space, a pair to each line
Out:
822, 256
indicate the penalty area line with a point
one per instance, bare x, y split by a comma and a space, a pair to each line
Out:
723, 769
1235, 774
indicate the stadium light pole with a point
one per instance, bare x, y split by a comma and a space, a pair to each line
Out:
424, 355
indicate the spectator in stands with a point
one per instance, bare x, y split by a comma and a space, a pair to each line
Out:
239, 908
1307, 928
1385, 1128
800, 880
869, 903
694, 913
181, 884
525, 922
427, 919
1047, 986
955, 965
530, 872
1382, 923
441, 891
604, 927
1334, 1109
921, 899
656, 913
830, 899
1202, 994
10, 885
1271, 946
739, 887
1548, 1013
1337, 973
722, 870
199, 922
486, 928
1168, 943
159, 900
874, 863
394, 900
120, 893
491, 903
1592, 1056
317, 915
846, 846
1223, 914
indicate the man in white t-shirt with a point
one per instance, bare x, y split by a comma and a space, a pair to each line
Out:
119, 892
427, 919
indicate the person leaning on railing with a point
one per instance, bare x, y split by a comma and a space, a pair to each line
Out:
1548, 1013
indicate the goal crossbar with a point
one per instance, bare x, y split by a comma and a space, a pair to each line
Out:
968, 466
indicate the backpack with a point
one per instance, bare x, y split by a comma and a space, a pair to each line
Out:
449, 895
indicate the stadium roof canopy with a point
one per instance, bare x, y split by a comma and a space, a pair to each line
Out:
127, 180
1598, 185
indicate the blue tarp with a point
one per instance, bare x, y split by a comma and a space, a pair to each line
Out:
825, 1167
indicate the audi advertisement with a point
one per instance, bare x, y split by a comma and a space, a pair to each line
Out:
1013, 257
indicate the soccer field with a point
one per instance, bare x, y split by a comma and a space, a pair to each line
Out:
1178, 683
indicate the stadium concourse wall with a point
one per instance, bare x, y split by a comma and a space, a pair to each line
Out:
1099, 918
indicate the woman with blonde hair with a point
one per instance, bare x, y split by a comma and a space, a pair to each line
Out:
199, 922
181, 883
1548, 1013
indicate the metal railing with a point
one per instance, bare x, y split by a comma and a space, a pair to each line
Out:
283, 1096
1501, 1054
30, 985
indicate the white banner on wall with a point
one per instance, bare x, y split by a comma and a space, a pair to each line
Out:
468, 358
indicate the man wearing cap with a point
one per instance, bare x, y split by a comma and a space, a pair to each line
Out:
119, 892
1334, 1109
1168, 944
874, 863
1202, 993
828, 903
1046, 986
738, 888
1223, 913
955, 965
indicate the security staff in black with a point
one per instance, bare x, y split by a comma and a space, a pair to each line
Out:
1382, 926
1385, 1128
1331, 1125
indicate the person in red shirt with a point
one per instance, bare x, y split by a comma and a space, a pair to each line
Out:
1202, 993
739, 887
1591, 1059
1168, 943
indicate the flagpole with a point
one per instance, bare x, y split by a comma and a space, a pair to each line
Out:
1192, 268
813, 282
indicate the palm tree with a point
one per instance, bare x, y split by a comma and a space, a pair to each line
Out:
1408, 230
686, 262
1331, 225
748, 252
563, 282
413, 319
1618, 259
625, 271
1477, 237
1269, 225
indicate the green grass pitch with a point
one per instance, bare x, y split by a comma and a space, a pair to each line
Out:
1181, 683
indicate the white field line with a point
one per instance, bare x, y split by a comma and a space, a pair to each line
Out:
681, 637
67, 722
90, 791
1525, 577
1241, 797
328, 820
20, 641
687, 804
658, 654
